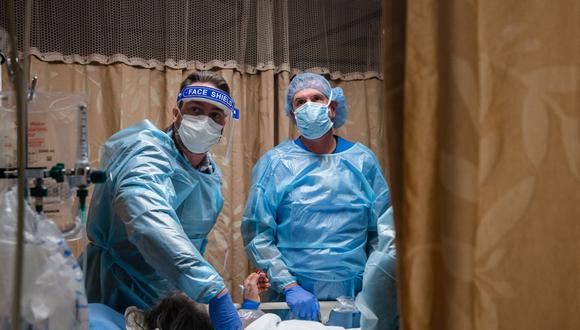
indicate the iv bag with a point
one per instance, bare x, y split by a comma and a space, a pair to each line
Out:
53, 137
53, 294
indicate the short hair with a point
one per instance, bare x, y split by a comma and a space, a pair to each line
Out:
205, 77
177, 312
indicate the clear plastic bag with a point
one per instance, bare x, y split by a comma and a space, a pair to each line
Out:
344, 313
248, 316
53, 137
53, 295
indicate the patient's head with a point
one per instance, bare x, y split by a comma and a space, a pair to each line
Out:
177, 312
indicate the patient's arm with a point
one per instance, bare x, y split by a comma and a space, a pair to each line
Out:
254, 284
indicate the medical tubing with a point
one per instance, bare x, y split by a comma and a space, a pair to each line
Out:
84, 239
84, 244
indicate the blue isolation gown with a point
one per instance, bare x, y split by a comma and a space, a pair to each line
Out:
148, 223
378, 298
312, 218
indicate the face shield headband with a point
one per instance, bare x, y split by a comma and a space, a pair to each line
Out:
214, 96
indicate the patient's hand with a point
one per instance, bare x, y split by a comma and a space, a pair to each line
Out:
254, 284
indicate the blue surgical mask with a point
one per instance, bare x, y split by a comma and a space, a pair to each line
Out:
312, 119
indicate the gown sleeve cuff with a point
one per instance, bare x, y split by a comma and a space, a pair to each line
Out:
250, 304
201, 291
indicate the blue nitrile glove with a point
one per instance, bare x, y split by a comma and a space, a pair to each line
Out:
303, 304
223, 314
250, 304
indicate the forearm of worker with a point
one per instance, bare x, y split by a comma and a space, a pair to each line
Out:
261, 248
152, 226
259, 224
380, 205
387, 235
266, 256
372, 240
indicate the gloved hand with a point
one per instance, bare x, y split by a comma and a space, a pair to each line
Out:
250, 304
303, 304
223, 314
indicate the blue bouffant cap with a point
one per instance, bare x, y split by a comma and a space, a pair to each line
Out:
312, 80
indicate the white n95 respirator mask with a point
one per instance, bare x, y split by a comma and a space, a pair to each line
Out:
199, 133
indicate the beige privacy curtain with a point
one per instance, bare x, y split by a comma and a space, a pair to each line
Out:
119, 95
485, 160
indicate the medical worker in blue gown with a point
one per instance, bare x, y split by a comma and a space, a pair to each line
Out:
311, 217
148, 224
